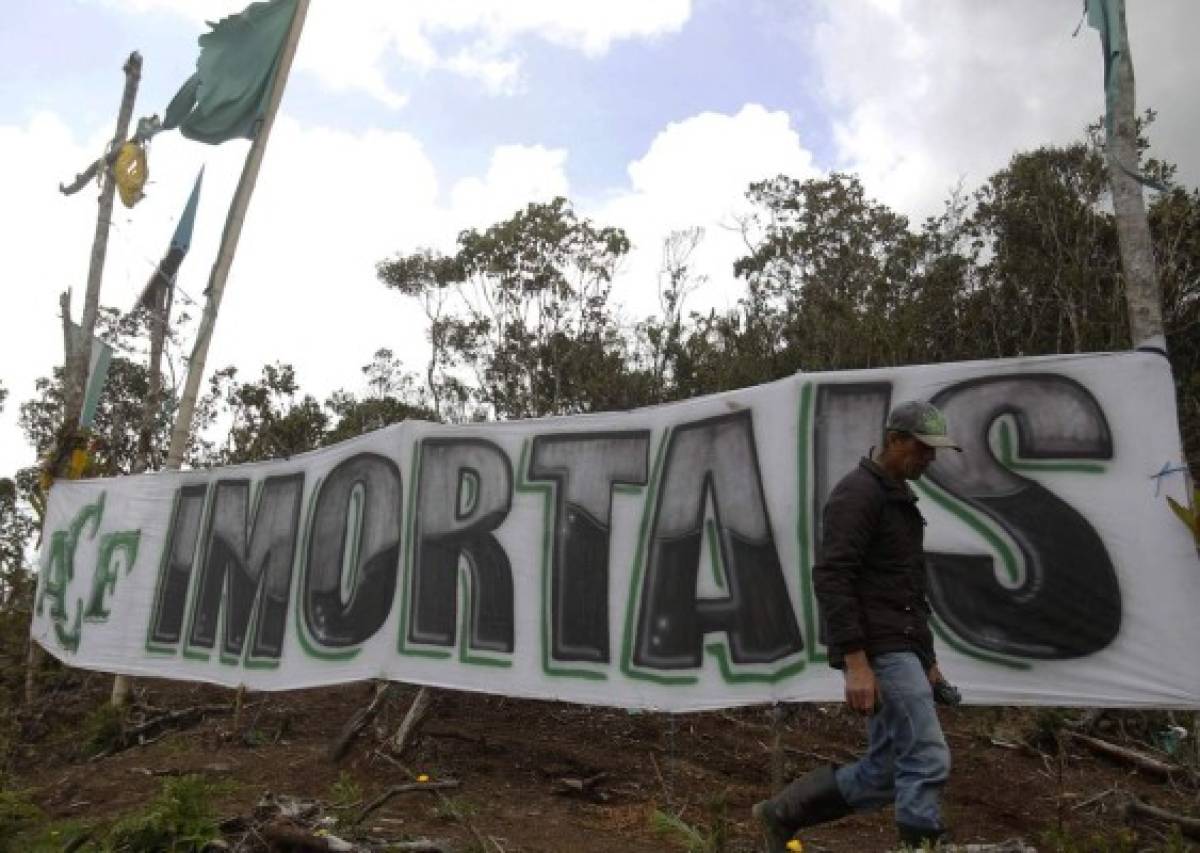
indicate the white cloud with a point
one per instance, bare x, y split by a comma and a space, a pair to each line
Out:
695, 173
328, 206
517, 175
348, 45
926, 93
500, 76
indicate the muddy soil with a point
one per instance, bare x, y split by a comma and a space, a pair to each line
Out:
543, 776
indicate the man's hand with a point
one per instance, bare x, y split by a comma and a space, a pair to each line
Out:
861, 689
935, 675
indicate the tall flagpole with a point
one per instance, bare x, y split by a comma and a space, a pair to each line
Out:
1143, 293
229, 241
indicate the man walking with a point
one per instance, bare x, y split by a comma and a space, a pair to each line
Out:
870, 585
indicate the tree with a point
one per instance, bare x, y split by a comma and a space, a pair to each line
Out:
265, 420
1175, 228
393, 395
522, 309
827, 270
113, 437
17, 528
661, 338
1045, 257
16, 532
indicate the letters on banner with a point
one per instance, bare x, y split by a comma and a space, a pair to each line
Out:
660, 558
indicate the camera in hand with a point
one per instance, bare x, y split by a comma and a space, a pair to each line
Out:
945, 693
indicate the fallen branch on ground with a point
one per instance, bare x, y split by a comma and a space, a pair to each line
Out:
1189, 826
408, 787
1140, 760
570, 786
1012, 846
136, 735
302, 840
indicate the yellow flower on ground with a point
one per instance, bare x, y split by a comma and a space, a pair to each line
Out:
795, 846
424, 777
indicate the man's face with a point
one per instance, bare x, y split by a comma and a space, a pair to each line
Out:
913, 456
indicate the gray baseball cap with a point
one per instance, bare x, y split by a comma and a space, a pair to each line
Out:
923, 422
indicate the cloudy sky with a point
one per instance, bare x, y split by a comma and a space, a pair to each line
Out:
404, 122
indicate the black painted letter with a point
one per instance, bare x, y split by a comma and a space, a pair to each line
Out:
585, 468
714, 459
248, 559
1067, 604
176, 573
353, 551
464, 494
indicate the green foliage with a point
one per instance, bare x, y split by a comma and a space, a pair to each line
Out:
1189, 515
115, 431
17, 528
102, 729
345, 799
1064, 840
1045, 729
693, 839
17, 815
267, 421
51, 837
454, 809
181, 819
393, 395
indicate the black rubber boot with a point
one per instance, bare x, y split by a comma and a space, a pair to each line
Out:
918, 837
813, 798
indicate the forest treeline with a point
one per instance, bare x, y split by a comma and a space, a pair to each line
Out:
522, 323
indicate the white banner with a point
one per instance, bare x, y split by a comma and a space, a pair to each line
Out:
660, 558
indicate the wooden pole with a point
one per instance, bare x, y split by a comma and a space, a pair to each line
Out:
229, 242
78, 355
1142, 291
79, 348
160, 317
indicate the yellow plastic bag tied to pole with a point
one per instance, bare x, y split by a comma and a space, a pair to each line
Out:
130, 172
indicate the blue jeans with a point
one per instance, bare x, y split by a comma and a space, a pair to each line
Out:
907, 759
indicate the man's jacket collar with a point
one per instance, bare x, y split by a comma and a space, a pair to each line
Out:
895, 488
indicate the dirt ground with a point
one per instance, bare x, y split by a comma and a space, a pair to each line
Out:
542, 776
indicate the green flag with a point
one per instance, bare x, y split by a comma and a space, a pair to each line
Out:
97, 375
226, 97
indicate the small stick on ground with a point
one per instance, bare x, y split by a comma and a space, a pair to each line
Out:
238, 699
361, 719
778, 758
661, 781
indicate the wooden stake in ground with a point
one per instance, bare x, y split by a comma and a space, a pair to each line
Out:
157, 299
412, 720
361, 719
229, 243
79, 348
